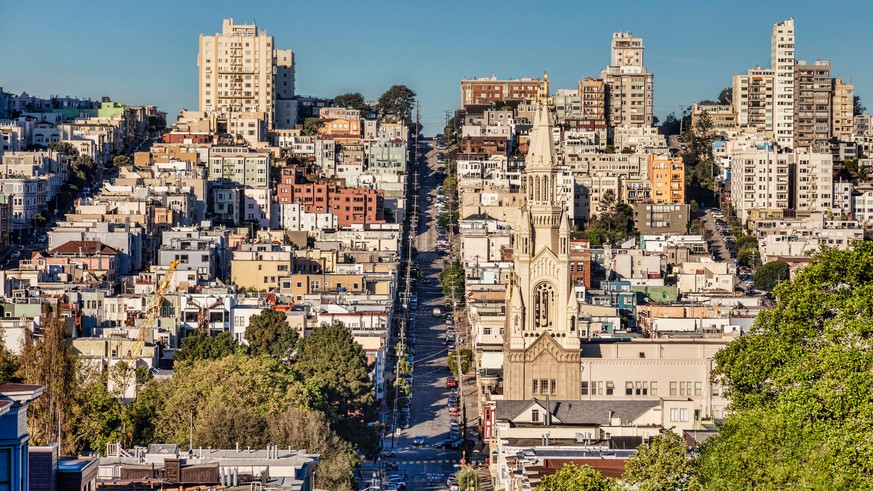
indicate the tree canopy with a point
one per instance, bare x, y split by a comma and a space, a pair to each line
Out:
576, 478
269, 333
663, 464
397, 102
466, 360
771, 274
613, 223
206, 347
354, 100
801, 395
331, 357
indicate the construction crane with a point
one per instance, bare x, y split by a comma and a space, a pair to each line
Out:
151, 313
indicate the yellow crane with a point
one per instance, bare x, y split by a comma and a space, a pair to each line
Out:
151, 313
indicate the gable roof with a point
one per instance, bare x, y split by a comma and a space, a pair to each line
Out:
594, 412
83, 247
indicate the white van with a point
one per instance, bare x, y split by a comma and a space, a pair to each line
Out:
437, 312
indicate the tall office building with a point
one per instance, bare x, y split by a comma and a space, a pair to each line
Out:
629, 87
782, 64
243, 76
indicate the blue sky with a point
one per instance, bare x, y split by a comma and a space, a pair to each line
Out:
146, 52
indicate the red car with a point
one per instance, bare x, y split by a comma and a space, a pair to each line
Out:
451, 383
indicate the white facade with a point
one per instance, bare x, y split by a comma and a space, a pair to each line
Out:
814, 181
782, 62
294, 217
760, 180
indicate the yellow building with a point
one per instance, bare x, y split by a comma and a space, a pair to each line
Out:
300, 285
259, 270
667, 176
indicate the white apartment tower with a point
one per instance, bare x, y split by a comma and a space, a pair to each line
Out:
629, 87
782, 63
242, 73
760, 180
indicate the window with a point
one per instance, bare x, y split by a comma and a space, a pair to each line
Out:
678, 415
584, 389
554, 389
610, 388
654, 388
698, 388
628, 388
598, 389
535, 416
534, 386
673, 386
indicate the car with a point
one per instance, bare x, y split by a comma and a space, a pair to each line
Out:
392, 466
388, 454
451, 382
418, 441
444, 444
437, 312
16, 254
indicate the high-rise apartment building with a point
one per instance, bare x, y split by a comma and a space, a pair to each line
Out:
592, 92
782, 64
812, 104
242, 72
629, 87
813, 180
759, 180
842, 110
753, 99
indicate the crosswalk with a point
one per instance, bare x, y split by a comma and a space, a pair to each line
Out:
426, 461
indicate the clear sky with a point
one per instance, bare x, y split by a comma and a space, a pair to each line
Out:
145, 52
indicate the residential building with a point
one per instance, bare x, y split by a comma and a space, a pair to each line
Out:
241, 71
629, 87
753, 99
813, 181
722, 116
661, 218
351, 205
489, 89
812, 99
842, 110
782, 61
760, 179
667, 175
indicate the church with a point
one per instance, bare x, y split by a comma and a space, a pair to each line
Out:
541, 345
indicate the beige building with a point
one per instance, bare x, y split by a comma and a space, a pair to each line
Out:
260, 267
723, 116
629, 87
760, 180
241, 71
842, 110
813, 181
753, 99
541, 340
782, 63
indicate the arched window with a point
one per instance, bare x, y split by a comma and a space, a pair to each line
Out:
544, 306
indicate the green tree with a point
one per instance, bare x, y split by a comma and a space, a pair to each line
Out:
857, 105
747, 242
397, 102
331, 356
97, 417
269, 333
702, 136
49, 362
466, 360
65, 148
311, 125
771, 274
354, 100
726, 96
576, 478
121, 161
663, 464
452, 280
749, 258
206, 347
8, 362
223, 426
311, 430
799, 385
468, 478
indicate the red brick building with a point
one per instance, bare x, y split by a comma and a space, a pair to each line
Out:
491, 145
352, 206
580, 262
188, 137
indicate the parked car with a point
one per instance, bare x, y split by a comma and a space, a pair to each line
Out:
451, 382
418, 441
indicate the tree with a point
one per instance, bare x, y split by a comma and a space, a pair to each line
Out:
8, 362
745, 242
269, 333
49, 362
331, 356
726, 96
97, 417
121, 161
466, 361
397, 102
311, 125
224, 426
206, 347
662, 464
354, 100
799, 385
65, 148
576, 478
467, 478
771, 274
311, 430
857, 105
749, 258
702, 136
452, 280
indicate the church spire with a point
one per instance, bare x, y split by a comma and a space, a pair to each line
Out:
541, 151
